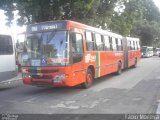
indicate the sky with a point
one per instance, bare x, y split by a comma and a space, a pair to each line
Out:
157, 2
15, 30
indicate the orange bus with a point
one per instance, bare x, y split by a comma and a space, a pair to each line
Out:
68, 53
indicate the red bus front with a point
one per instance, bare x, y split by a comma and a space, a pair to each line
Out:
46, 57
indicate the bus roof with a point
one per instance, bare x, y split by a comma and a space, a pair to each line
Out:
147, 47
63, 24
134, 39
94, 29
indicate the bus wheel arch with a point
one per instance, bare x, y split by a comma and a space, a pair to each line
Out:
135, 64
119, 67
89, 78
91, 67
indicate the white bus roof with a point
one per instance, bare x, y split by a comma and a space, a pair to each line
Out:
148, 46
130, 38
113, 34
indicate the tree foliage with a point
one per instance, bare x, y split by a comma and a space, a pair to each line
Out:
148, 28
138, 18
122, 22
92, 12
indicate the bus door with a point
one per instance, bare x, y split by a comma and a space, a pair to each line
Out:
125, 48
77, 55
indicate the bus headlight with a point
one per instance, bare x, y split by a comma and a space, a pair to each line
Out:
24, 70
26, 76
59, 78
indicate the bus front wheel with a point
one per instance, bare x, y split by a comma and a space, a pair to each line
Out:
89, 79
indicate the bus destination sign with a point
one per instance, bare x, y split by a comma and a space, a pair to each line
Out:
46, 26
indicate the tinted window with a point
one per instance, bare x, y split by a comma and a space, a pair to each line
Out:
6, 47
129, 45
110, 41
132, 45
119, 45
90, 41
106, 42
135, 45
138, 45
99, 42
77, 47
114, 46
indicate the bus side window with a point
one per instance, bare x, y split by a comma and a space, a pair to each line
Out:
114, 44
106, 42
77, 47
138, 45
99, 42
119, 44
116, 40
129, 45
110, 42
133, 47
89, 41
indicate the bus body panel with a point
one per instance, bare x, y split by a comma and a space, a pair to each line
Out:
7, 61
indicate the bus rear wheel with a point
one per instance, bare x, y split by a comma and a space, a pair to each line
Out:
119, 70
135, 64
89, 79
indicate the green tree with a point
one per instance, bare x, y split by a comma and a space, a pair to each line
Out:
123, 22
138, 18
148, 28
93, 12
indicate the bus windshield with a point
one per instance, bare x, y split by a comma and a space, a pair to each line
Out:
46, 49
6, 46
144, 49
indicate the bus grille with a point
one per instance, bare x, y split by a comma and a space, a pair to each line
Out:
42, 71
41, 83
41, 77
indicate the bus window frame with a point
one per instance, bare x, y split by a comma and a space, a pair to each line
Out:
10, 40
114, 46
106, 47
102, 42
93, 41
110, 42
71, 51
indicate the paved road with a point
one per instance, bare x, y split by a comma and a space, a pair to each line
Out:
136, 90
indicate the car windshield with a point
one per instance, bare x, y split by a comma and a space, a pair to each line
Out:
46, 49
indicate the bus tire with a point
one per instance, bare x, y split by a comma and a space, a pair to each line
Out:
135, 64
119, 71
89, 80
